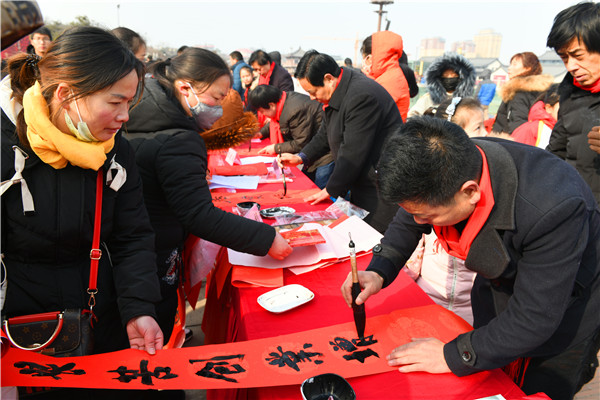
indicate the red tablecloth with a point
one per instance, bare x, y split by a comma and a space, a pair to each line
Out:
235, 315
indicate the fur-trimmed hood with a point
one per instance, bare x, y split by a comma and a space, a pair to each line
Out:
532, 83
458, 63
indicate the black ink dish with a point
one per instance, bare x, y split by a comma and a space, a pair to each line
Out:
325, 386
245, 206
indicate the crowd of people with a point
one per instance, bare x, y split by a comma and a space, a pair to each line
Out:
501, 227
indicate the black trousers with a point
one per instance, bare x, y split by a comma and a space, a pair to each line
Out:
563, 375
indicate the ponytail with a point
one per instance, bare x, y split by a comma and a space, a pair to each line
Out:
159, 72
23, 70
194, 64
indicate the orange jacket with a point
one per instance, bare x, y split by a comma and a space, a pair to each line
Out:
386, 50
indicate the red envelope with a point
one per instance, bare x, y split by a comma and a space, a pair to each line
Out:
297, 238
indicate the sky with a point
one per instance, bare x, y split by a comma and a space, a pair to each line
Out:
334, 27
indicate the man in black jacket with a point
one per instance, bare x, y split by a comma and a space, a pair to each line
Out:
526, 223
360, 115
575, 37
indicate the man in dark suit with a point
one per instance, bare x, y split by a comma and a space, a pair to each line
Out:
521, 218
359, 117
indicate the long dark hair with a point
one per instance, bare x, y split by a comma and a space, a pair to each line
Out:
195, 64
131, 38
88, 59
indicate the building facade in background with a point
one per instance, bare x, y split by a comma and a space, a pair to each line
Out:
487, 44
465, 48
432, 47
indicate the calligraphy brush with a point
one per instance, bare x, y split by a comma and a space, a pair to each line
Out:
359, 311
282, 174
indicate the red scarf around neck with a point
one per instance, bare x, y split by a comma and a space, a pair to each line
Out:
246, 96
264, 80
457, 244
274, 129
594, 87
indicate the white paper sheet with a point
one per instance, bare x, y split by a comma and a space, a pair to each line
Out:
335, 248
235, 182
257, 159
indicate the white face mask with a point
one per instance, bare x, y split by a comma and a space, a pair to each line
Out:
204, 114
82, 132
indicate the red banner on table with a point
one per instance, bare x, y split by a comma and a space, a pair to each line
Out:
280, 360
226, 201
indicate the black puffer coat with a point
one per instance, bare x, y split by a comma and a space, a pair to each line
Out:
455, 62
436, 93
47, 253
579, 111
172, 160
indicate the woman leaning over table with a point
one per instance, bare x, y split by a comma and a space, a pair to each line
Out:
87, 78
182, 100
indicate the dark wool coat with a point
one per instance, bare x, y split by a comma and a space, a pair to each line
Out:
456, 62
361, 115
518, 95
47, 254
299, 121
579, 111
537, 257
282, 79
171, 157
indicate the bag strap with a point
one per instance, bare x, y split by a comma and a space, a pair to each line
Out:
96, 253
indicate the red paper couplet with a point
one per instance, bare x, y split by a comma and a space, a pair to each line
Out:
280, 360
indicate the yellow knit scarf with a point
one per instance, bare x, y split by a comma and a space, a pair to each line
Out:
53, 146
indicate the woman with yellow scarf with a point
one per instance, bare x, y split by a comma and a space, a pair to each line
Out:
61, 121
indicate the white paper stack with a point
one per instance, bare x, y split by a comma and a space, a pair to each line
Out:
306, 258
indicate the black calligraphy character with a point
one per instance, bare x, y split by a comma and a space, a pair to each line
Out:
217, 367
340, 343
128, 375
291, 359
51, 370
364, 341
361, 355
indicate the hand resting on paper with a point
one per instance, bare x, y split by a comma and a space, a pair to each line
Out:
280, 248
424, 354
317, 197
144, 334
289, 159
594, 139
370, 282
267, 151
